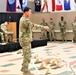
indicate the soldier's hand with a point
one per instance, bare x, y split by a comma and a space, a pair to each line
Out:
46, 27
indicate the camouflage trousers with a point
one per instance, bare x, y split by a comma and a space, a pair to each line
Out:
43, 34
11, 36
26, 56
52, 35
74, 38
63, 34
2, 36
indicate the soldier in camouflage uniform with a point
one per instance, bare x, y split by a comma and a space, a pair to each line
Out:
1, 35
62, 26
6, 32
51, 25
43, 31
25, 37
74, 29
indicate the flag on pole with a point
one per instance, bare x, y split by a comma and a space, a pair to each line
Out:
44, 6
11, 5
24, 4
53, 5
66, 4
47, 5
58, 5
18, 6
73, 5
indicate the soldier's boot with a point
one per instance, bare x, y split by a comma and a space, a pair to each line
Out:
75, 38
54, 40
63, 40
51, 40
2, 41
25, 70
27, 73
66, 41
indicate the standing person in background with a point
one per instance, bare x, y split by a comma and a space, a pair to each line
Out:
51, 25
37, 5
62, 26
43, 31
74, 29
25, 38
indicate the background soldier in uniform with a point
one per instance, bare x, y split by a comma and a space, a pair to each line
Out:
37, 5
6, 32
25, 38
62, 26
74, 29
43, 31
51, 25
1, 35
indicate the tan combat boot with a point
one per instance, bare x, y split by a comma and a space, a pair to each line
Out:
27, 73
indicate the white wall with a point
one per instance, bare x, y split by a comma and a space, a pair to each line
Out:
2, 5
31, 0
